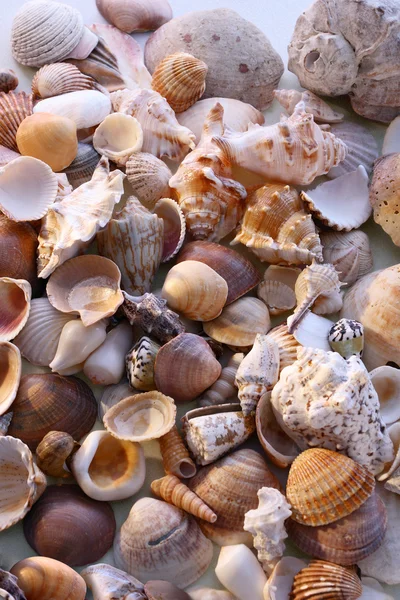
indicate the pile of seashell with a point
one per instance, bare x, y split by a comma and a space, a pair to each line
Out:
115, 164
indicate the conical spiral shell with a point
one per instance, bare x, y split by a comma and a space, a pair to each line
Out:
149, 178
61, 78
175, 455
322, 580
14, 108
172, 490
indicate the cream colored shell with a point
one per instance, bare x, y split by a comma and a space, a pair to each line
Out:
86, 108
314, 105
118, 137
384, 195
277, 288
349, 252
60, 78
148, 177
135, 15
240, 572
76, 343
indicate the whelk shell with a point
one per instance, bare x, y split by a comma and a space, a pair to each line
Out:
384, 195
386, 381
23, 482
107, 363
82, 167
314, 105
136, 15
107, 582
10, 374
151, 314
240, 572
53, 451
61, 78
44, 578
140, 364
118, 137
86, 108
349, 252
277, 288
175, 456
15, 302
8, 80
174, 226
224, 389
14, 107
362, 148
172, 490
148, 177
322, 580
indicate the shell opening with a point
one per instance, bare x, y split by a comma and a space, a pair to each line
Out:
110, 464
187, 469
310, 60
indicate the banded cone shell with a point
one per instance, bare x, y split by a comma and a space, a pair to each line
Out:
322, 580
175, 456
172, 490
140, 364
149, 178
61, 78
14, 108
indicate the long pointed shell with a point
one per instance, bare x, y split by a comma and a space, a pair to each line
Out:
43, 578
172, 490
322, 580
175, 456
15, 302
149, 178
10, 374
361, 145
82, 167
174, 226
224, 389
60, 78
135, 15
118, 137
107, 583
314, 105
14, 107
384, 195
76, 343
106, 365
85, 107
349, 252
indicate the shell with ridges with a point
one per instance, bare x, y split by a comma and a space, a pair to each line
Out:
53, 451
361, 145
60, 78
175, 456
174, 226
86, 108
287, 345
7, 155
224, 389
322, 580
107, 583
349, 252
76, 343
151, 314
136, 15
172, 490
281, 579
118, 137
82, 167
14, 108
10, 374
384, 195
148, 177
15, 303
42, 578
206, 593
277, 288
314, 105
140, 364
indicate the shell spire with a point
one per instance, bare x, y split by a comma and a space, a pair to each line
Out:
172, 490
175, 456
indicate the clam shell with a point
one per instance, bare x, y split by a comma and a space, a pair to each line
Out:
48, 402
85, 107
148, 177
362, 148
224, 389
240, 572
82, 167
349, 252
112, 394
135, 15
175, 456
174, 226
384, 195
63, 516
314, 105
44, 578
324, 580
229, 487
118, 137
386, 381
238, 272
53, 451
107, 582
8, 80
10, 374
142, 417
140, 362
15, 302
185, 367
277, 289
88, 286
14, 108
325, 486
106, 365
160, 540
239, 323
60, 78
172, 490
287, 345
22, 481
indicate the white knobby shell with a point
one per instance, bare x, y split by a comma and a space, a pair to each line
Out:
108, 583
76, 343
240, 572
118, 137
106, 365
86, 108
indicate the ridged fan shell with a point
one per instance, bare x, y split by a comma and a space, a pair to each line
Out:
148, 177
349, 252
10, 375
14, 107
61, 78
83, 166
322, 580
361, 145
174, 226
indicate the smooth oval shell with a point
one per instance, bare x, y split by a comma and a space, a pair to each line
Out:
15, 303
135, 15
118, 137
60, 78
323, 580
148, 177
14, 107
49, 402
76, 343
86, 108
45, 579
10, 374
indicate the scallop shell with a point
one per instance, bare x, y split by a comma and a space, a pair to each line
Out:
386, 381
174, 226
287, 345
349, 252
8, 80
14, 108
162, 134
361, 145
276, 227
76, 343
141, 417
48, 402
325, 486
322, 580
23, 482
133, 239
71, 224
151, 314
281, 579
148, 177
10, 374
175, 456
118, 137
347, 338
224, 389
86, 108
61, 78
239, 323
44, 578
135, 16
83, 166
107, 582
240, 572
384, 195
277, 289
53, 451
65, 514
160, 540
172, 490
229, 487
15, 302
314, 105
113, 394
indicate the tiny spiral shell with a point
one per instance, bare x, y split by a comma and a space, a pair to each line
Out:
175, 456
172, 490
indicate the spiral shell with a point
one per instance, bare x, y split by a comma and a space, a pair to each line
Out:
172, 490
175, 456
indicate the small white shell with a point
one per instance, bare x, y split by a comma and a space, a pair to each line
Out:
174, 226
15, 303
108, 583
149, 178
240, 572
86, 107
76, 343
118, 137
106, 365
386, 381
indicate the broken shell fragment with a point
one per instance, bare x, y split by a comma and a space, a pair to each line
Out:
107, 363
314, 105
148, 177
321, 579
53, 451
172, 490
386, 381
107, 582
140, 362
362, 148
224, 389
42, 578
10, 374
118, 137
136, 15
151, 314
384, 195
175, 456
277, 288
240, 572
349, 252
15, 303
347, 338
86, 108
14, 107
76, 343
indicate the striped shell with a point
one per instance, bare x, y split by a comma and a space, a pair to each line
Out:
60, 78
14, 107
322, 580
149, 178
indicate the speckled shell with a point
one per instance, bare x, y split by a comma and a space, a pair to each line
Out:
362, 148
44, 578
384, 195
135, 15
322, 580
349, 252
314, 105
148, 177
60, 78
140, 364
14, 107
175, 456
347, 338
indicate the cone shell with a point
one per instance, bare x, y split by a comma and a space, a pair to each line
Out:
43, 578
135, 15
141, 417
349, 252
48, 402
185, 367
83, 166
229, 487
224, 389
172, 490
53, 451
175, 456
323, 580
347, 338
23, 482
118, 137
148, 177
384, 195
106, 581
362, 148
160, 540
314, 105
287, 345
14, 108
60, 78
15, 302
8, 80
64, 515
10, 374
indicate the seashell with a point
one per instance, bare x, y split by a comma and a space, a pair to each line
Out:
14, 107
8, 80
112, 394
347, 338
15, 302
185, 367
314, 105
266, 524
323, 579
384, 196
172, 490
149, 178
237, 115
195, 290
9, 589
325, 486
374, 302
278, 446
280, 582
50, 138
391, 467
175, 457
61, 78
257, 373
10, 374
85, 108
181, 79
310, 153
174, 226
86, 44
86, 285
229, 487
349, 252
22, 482
48, 402
160, 540
277, 229
287, 345
324, 400
238, 272
252, 81
205, 593
313, 331
141, 417
83, 166
107, 363
135, 16
329, 201
212, 431
7, 155
107, 582
224, 389
151, 315
133, 239
390, 140
140, 364
277, 288
240, 572
107, 468
41, 578
210, 199
361, 145
346, 541
163, 590
68, 511
118, 137
372, 590
53, 451
386, 381
71, 224
64, 187
28, 188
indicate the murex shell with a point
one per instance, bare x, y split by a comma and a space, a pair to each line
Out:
151, 314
